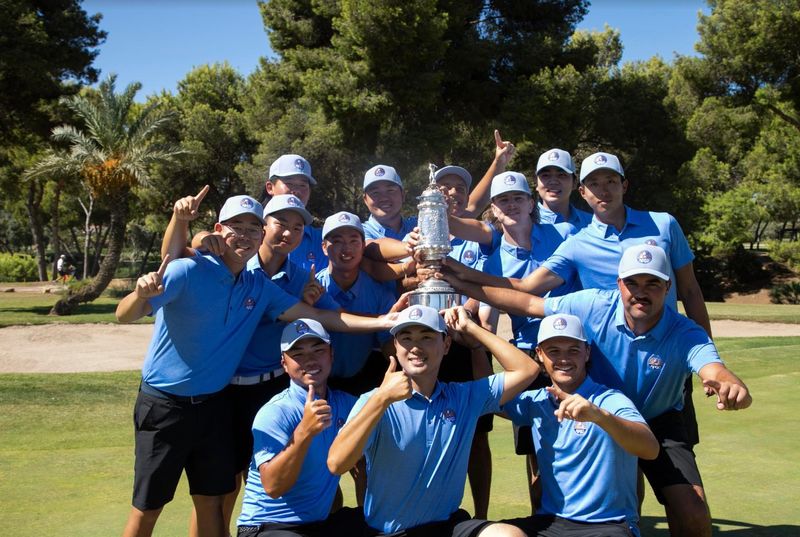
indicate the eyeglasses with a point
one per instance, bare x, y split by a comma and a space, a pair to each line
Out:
246, 232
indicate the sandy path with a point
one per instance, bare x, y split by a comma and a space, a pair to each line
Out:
65, 348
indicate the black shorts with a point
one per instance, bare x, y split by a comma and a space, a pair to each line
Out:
346, 522
553, 526
689, 415
457, 367
675, 464
458, 525
173, 434
370, 376
246, 401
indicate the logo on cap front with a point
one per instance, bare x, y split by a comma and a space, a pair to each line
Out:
552, 156
301, 328
380, 172
559, 323
249, 304
293, 201
344, 217
600, 159
415, 314
299, 164
509, 179
246, 203
644, 257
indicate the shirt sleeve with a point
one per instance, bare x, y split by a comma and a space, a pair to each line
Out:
520, 410
620, 406
174, 281
562, 261
489, 390
278, 300
271, 432
701, 351
359, 404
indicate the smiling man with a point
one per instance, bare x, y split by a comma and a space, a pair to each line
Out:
555, 181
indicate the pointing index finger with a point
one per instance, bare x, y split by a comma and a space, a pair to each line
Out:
199, 197
498, 140
557, 392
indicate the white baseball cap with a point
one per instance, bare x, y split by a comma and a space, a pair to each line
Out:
555, 157
509, 182
419, 315
290, 202
302, 329
644, 259
382, 172
288, 165
600, 161
560, 325
340, 220
236, 205
454, 170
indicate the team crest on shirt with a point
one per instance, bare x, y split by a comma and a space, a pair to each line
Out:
246, 203
448, 414
655, 362
600, 159
301, 328
380, 172
510, 179
310, 256
559, 323
469, 256
299, 164
553, 156
249, 303
651, 242
415, 314
294, 201
644, 257
580, 428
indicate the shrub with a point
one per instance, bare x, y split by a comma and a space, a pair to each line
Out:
786, 252
785, 293
18, 268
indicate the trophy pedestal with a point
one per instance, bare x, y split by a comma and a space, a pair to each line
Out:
435, 293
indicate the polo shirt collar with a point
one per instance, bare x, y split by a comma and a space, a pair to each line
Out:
632, 218
373, 222
514, 251
286, 271
437, 391
297, 392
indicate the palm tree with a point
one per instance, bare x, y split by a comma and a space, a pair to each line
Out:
111, 154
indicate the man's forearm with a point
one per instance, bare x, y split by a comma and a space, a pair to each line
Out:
349, 444
280, 474
635, 438
508, 300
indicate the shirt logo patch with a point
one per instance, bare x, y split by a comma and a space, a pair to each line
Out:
310, 256
249, 304
559, 323
510, 180
246, 203
600, 159
340, 423
552, 156
415, 314
644, 257
580, 428
449, 415
469, 256
655, 362
651, 242
299, 164
294, 201
301, 328
380, 172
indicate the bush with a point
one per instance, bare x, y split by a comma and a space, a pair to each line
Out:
786, 252
785, 293
18, 268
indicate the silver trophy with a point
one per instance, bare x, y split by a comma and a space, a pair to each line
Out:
433, 247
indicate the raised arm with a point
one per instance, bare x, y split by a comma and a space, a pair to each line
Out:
135, 305
349, 444
177, 233
732, 394
338, 321
387, 249
691, 295
479, 197
470, 229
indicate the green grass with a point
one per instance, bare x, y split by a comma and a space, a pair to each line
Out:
761, 313
33, 308
66, 453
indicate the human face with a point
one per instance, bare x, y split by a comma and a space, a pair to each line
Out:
344, 248
284, 231
308, 362
643, 297
603, 191
420, 350
554, 186
454, 188
512, 208
243, 234
384, 200
294, 184
564, 359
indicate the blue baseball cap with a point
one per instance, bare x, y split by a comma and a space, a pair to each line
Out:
509, 182
419, 315
454, 170
555, 157
382, 172
340, 220
288, 165
236, 205
644, 259
287, 202
560, 325
600, 161
302, 329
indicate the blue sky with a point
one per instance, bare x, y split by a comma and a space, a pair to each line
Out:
156, 42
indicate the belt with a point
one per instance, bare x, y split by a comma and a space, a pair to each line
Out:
192, 399
257, 379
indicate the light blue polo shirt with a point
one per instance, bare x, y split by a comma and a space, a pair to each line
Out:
579, 219
466, 252
309, 251
310, 499
594, 252
205, 319
512, 261
650, 369
366, 296
263, 353
375, 230
417, 454
586, 476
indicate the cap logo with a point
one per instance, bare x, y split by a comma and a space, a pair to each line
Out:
510, 179
553, 156
293, 201
559, 323
415, 314
344, 217
644, 257
299, 164
600, 159
655, 362
301, 328
246, 203
579, 428
249, 303
448, 414
380, 172
651, 242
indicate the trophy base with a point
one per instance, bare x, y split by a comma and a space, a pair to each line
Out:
436, 294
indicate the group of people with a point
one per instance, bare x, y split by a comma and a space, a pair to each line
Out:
285, 355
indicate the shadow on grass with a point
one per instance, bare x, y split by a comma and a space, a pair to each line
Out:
657, 527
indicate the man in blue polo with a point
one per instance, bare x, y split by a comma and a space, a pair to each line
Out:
383, 196
645, 349
555, 181
416, 431
587, 439
289, 489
